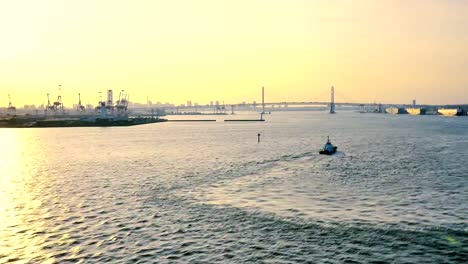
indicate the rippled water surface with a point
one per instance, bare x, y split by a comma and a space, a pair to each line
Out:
397, 192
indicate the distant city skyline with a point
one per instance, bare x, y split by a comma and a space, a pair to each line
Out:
389, 51
149, 103
189, 103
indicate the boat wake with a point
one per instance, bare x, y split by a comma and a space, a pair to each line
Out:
338, 154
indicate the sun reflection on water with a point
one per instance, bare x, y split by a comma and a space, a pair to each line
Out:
20, 211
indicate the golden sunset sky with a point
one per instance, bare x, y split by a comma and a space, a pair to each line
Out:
203, 50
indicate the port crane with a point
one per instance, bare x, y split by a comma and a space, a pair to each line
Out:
11, 108
122, 103
49, 106
58, 105
80, 107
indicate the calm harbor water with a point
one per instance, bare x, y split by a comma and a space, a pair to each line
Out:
397, 192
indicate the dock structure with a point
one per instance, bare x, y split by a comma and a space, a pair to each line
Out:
244, 120
191, 120
23, 122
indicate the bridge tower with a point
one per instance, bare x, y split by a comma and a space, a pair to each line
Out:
263, 100
263, 103
332, 102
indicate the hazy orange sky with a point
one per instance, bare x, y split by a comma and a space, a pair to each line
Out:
203, 50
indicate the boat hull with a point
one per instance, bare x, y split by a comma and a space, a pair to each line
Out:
326, 152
